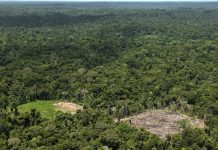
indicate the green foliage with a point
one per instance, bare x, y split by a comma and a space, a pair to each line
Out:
183, 123
114, 62
46, 108
110, 138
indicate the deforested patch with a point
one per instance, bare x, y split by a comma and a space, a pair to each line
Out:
163, 122
68, 107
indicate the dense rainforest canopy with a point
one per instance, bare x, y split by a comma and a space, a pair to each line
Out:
116, 62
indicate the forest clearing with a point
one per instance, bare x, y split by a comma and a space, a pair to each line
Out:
163, 122
67, 107
49, 108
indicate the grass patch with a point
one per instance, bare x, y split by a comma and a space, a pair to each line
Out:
49, 108
46, 108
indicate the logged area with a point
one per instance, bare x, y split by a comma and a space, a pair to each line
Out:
96, 64
163, 122
67, 107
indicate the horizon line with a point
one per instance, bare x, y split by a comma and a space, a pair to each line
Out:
206, 1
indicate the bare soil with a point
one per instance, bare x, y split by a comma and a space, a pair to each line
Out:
162, 122
67, 107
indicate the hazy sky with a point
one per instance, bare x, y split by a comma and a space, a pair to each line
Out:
115, 0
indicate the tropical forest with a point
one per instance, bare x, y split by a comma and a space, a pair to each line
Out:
108, 76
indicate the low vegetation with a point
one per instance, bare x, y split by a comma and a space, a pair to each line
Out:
48, 109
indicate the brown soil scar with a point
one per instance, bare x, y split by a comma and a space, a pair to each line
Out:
67, 107
162, 122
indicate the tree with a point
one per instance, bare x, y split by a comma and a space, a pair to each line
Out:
110, 138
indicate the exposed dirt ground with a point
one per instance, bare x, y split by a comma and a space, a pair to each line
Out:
162, 122
67, 107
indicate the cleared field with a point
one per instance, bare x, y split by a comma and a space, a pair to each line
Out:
162, 122
67, 107
48, 109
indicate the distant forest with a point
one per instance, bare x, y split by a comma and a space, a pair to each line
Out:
111, 5
114, 59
